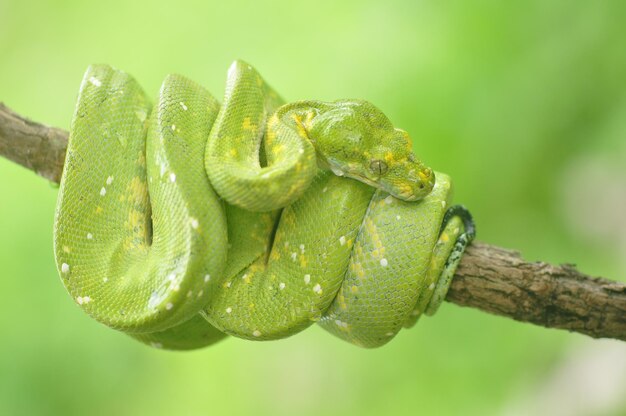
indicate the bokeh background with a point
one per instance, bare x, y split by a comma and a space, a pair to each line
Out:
522, 102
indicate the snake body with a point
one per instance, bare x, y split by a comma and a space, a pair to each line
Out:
189, 220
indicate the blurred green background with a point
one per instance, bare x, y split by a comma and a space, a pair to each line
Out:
522, 102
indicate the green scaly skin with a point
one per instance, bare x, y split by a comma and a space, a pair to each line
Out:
350, 137
178, 241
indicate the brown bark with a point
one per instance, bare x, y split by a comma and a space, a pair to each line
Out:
499, 281
39, 148
489, 278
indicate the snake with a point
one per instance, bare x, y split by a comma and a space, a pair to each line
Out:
185, 221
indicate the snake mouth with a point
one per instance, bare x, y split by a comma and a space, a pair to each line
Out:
409, 196
367, 181
408, 191
414, 190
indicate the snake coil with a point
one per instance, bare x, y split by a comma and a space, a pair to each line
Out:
176, 226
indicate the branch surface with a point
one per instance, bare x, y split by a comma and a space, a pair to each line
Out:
489, 278
35, 146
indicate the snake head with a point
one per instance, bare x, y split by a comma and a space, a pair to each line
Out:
394, 168
355, 139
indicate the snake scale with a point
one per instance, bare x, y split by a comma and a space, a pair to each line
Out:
188, 220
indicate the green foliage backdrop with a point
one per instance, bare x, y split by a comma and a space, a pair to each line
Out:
522, 102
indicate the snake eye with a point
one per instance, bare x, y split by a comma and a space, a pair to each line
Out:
378, 166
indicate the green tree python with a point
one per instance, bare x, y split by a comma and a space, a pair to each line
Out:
185, 221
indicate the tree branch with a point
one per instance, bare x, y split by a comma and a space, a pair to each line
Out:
489, 278
35, 146
499, 281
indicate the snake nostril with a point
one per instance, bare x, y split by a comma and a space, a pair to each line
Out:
425, 174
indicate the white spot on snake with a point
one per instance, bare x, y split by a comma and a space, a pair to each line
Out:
95, 81
207, 278
141, 114
229, 309
171, 277
103, 191
265, 176
244, 277
389, 200
342, 240
163, 169
317, 289
194, 223
189, 294
384, 262
307, 279
302, 248
105, 279
301, 151
200, 293
341, 324
89, 236
228, 284
172, 177
169, 306
83, 300
443, 204
431, 286
281, 286
294, 255
109, 180
156, 345
182, 104
398, 217
389, 334
65, 268
173, 127
257, 333
325, 189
